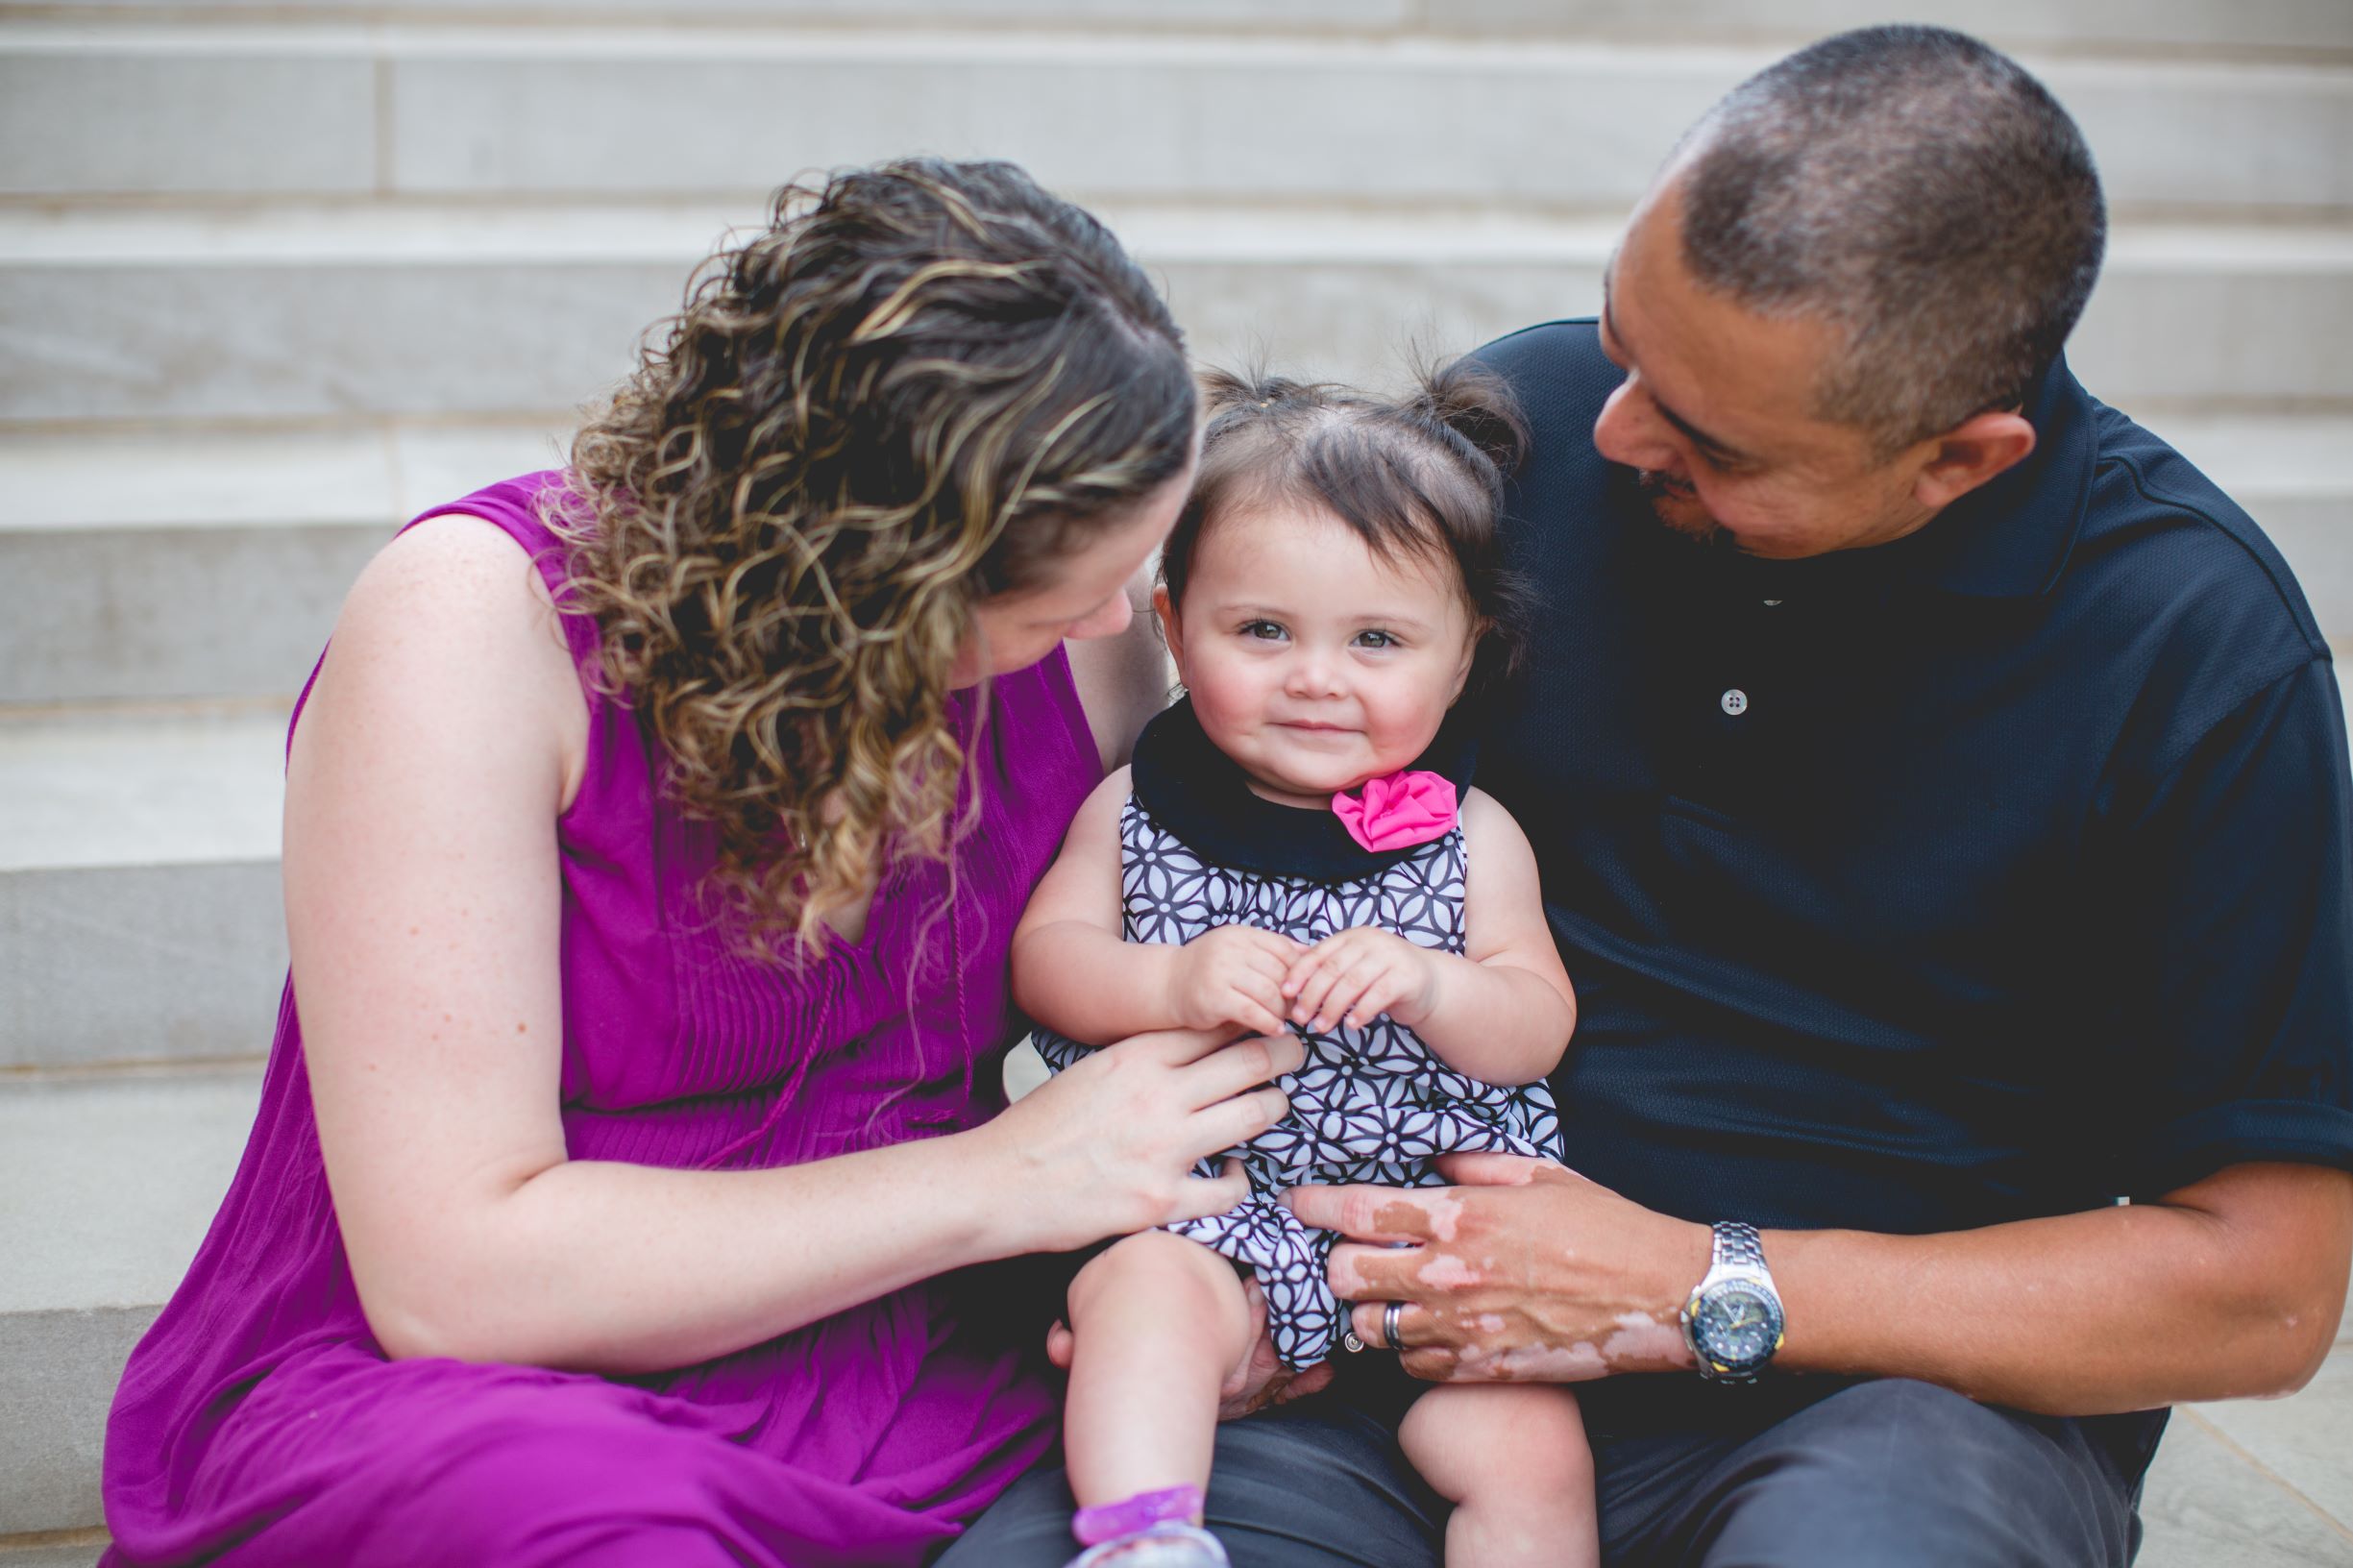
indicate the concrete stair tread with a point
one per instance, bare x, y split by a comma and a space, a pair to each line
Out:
375, 477
619, 229
164, 789
369, 477
417, 108
2266, 456
2133, 25
108, 1183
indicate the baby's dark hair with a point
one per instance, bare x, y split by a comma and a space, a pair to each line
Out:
1417, 474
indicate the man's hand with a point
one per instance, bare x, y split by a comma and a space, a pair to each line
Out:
1232, 974
1258, 1381
1525, 1272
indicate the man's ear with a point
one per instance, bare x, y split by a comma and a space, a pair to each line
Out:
1968, 455
1169, 632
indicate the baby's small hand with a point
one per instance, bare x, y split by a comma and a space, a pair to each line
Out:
1354, 977
1232, 974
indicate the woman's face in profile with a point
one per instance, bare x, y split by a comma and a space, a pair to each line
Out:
1086, 598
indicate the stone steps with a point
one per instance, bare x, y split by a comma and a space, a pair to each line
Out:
439, 310
139, 908
160, 565
372, 110
277, 274
107, 1185
2246, 29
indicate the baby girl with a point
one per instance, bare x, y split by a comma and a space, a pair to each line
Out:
1297, 847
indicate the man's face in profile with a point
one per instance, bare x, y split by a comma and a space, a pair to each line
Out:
1716, 414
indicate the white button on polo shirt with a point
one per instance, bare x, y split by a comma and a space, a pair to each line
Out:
1734, 701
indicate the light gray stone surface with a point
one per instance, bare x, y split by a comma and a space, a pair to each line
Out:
78, 119
139, 963
2305, 1441
174, 612
140, 915
1225, 15
265, 320
418, 110
261, 342
2206, 1506
156, 565
2129, 25
2133, 25
159, 789
108, 1183
106, 1187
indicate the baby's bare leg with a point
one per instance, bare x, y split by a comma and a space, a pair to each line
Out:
1158, 1321
1513, 1459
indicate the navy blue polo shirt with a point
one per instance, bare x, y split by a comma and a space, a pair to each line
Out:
1993, 872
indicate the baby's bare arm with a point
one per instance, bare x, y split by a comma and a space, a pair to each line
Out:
1072, 972
1504, 1010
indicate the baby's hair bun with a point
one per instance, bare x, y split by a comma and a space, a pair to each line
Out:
1225, 393
1476, 404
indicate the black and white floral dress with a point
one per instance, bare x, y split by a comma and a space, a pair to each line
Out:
1372, 1104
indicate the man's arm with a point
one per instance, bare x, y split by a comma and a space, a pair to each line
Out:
2230, 1287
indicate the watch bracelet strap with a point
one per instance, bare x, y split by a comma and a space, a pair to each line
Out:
1737, 1245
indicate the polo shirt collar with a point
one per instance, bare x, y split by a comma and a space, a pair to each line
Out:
2011, 538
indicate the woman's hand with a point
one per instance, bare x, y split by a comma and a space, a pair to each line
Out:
1526, 1273
1108, 1147
1354, 977
1233, 977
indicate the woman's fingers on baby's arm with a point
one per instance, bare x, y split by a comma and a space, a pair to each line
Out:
1235, 1121
1241, 1065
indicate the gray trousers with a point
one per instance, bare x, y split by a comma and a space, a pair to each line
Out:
1881, 1474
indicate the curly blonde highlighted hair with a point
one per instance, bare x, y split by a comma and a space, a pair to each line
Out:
919, 387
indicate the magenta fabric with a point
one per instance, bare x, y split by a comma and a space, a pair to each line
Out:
1399, 810
257, 1422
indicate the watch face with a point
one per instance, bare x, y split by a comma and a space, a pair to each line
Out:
1738, 1326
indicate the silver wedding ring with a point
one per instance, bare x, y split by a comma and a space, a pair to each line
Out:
1390, 1316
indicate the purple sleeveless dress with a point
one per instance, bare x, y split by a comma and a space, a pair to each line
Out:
257, 1422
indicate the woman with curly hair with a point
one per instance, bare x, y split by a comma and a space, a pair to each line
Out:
626, 1172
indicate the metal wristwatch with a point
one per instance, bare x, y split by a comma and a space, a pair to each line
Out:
1733, 1322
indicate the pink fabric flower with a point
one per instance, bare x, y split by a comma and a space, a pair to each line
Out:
1397, 812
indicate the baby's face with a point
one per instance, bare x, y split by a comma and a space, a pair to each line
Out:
1310, 662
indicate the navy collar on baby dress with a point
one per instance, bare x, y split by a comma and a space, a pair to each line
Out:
1199, 793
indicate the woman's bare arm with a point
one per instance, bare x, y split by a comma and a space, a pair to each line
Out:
1072, 968
422, 895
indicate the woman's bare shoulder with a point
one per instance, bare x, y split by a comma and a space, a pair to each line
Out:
452, 624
